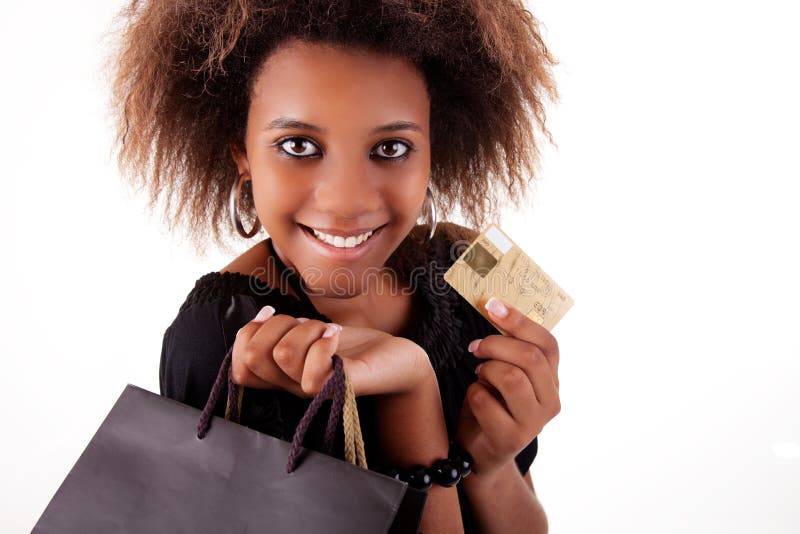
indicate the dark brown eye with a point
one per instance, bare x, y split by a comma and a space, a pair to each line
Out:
392, 149
297, 146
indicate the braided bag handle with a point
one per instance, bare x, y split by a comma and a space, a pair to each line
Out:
353, 440
344, 400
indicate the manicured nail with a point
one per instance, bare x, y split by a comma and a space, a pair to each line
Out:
265, 313
331, 329
474, 345
478, 369
496, 307
302, 319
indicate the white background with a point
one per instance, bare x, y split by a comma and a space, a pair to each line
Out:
668, 212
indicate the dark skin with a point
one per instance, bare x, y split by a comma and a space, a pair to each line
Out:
347, 177
345, 181
342, 176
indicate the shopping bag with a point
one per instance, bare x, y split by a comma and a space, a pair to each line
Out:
157, 465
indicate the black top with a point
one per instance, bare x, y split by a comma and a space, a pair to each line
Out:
221, 303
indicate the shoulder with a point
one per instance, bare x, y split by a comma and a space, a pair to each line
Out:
219, 303
196, 341
450, 241
451, 232
247, 274
254, 273
253, 262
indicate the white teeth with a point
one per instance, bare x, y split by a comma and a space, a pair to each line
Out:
342, 242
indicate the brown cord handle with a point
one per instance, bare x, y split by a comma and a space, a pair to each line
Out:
223, 375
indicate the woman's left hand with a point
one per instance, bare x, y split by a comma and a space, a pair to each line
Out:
522, 368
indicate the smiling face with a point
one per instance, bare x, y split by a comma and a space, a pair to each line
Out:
337, 140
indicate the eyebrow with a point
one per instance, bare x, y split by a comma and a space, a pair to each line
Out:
288, 123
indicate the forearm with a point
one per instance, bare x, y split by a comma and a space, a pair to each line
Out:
503, 502
412, 430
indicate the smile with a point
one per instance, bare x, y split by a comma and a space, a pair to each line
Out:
338, 247
340, 241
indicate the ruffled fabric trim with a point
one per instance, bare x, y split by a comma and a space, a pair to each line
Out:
216, 285
440, 331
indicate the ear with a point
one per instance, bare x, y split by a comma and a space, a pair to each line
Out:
239, 155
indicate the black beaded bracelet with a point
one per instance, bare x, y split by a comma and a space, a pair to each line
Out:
446, 472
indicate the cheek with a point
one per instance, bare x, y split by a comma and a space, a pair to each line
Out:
276, 192
411, 196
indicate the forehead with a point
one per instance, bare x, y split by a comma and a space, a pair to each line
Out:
327, 83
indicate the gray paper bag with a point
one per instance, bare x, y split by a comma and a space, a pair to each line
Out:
146, 471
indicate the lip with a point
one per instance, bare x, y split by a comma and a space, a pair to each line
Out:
343, 254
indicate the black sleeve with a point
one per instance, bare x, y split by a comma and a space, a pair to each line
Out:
474, 326
195, 344
525, 457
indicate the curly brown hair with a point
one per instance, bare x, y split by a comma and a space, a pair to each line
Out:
184, 70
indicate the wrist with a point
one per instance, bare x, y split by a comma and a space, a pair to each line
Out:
411, 426
486, 480
426, 380
445, 472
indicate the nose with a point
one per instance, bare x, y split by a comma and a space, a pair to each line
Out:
348, 191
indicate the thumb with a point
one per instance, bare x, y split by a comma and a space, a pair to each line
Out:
318, 367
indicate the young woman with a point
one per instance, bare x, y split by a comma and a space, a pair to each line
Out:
333, 126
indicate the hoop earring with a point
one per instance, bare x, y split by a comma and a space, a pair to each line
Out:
233, 208
430, 213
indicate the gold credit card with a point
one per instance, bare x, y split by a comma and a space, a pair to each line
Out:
494, 266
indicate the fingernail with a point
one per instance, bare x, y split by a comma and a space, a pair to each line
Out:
331, 329
478, 369
265, 313
302, 319
474, 345
496, 307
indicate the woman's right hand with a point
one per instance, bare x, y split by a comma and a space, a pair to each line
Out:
290, 354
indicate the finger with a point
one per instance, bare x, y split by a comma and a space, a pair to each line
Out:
249, 329
494, 419
255, 352
244, 377
240, 371
240, 374
291, 351
524, 328
527, 356
515, 388
318, 367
